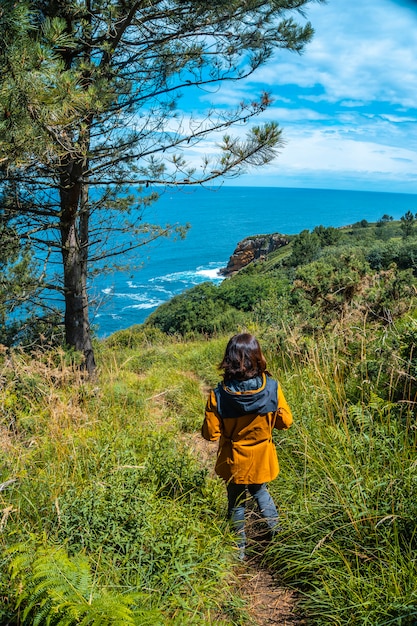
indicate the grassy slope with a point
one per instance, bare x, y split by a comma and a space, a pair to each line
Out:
106, 471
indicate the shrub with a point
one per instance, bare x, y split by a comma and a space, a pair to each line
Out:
245, 291
305, 248
199, 310
403, 253
331, 282
328, 236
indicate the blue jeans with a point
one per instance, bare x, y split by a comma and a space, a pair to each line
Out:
236, 495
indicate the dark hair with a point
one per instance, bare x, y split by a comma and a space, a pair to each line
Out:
243, 358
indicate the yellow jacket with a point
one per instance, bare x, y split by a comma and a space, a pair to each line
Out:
246, 453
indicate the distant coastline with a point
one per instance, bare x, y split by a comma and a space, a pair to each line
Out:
220, 218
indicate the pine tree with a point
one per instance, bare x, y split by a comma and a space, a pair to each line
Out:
407, 224
19, 281
90, 125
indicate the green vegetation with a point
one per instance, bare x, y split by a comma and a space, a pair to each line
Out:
109, 506
366, 270
110, 512
77, 170
18, 282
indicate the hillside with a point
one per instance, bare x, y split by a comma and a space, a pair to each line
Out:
110, 510
365, 271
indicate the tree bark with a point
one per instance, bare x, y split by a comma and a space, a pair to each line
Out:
74, 228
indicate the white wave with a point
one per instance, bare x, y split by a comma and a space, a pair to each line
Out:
113, 316
181, 277
192, 277
158, 288
108, 290
161, 289
212, 274
141, 297
144, 305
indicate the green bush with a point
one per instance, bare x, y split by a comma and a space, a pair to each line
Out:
135, 337
245, 291
329, 236
199, 310
305, 248
331, 282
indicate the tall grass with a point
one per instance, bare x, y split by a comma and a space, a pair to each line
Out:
348, 485
99, 479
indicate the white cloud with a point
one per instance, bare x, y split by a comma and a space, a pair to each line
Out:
331, 151
348, 105
398, 119
285, 115
361, 50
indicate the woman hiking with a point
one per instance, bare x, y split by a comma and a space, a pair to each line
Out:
241, 413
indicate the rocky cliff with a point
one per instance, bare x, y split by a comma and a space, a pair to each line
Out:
251, 249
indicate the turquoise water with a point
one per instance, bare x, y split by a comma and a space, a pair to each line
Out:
219, 220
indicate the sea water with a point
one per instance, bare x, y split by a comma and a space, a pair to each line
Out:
219, 218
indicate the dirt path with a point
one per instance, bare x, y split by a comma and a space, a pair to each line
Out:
268, 602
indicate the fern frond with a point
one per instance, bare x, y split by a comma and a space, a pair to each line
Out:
57, 590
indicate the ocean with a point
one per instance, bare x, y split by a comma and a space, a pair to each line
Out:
219, 219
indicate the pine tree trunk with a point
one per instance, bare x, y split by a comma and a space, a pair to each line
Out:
74, 239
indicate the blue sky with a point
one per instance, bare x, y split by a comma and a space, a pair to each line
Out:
348, 104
